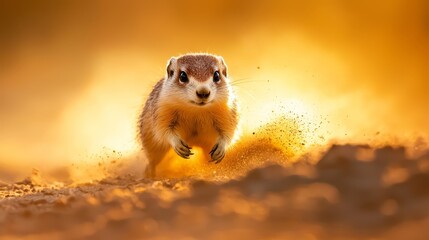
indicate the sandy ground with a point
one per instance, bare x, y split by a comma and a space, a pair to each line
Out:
352, 192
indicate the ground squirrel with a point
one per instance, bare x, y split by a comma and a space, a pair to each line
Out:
193, 105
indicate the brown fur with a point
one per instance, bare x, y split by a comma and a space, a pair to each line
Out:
198, 66
171, 116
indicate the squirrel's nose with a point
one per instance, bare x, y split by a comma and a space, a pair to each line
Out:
203, 93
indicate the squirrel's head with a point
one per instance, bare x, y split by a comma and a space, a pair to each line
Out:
198, 79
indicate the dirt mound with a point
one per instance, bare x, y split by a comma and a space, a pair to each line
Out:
353, 192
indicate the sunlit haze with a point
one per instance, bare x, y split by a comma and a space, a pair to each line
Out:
74, 75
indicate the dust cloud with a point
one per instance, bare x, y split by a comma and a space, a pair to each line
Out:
329, 92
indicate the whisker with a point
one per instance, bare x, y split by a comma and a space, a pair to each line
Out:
239, 79
248, 93
245, 81
244, 90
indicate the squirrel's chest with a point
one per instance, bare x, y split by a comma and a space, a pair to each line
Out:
197, 129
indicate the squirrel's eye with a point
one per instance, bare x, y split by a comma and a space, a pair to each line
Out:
183, 78
216, 77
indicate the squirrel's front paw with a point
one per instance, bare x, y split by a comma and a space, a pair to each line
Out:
182, 149
218, 152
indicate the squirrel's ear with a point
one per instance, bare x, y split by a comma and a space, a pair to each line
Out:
171, 66
224, 68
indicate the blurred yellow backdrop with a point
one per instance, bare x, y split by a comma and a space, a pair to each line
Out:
74, 74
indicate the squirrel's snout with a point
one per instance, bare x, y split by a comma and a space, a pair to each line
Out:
203, 93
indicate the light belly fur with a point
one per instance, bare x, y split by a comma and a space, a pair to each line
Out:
197, 130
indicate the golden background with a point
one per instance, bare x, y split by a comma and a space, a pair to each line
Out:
74, 74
